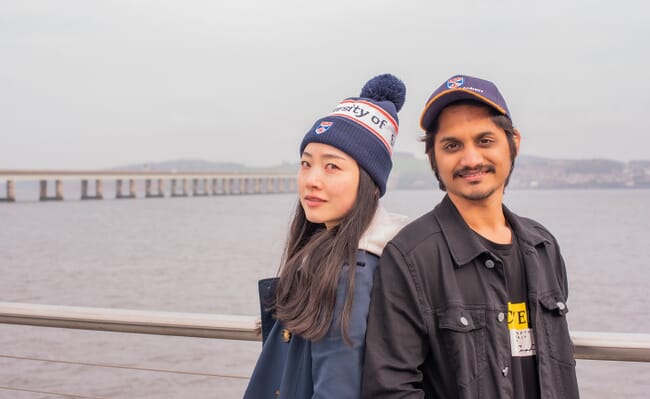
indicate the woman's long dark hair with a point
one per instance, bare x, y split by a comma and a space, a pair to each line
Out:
312, 263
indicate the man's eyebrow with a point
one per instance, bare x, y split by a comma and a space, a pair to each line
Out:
477, 135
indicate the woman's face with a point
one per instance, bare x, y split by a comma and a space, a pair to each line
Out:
328, 181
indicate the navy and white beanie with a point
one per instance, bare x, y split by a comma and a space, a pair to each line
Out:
365, 127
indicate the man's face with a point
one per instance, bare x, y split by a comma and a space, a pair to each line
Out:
472, 153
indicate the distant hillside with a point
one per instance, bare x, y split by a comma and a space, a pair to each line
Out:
539, 172
410, 172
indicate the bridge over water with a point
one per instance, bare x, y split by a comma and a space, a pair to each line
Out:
157, 184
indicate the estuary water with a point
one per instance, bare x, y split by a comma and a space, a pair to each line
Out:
206, 254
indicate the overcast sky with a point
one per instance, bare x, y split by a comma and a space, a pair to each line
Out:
94, 84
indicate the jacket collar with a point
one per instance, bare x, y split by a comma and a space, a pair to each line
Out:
464, 244
382, 228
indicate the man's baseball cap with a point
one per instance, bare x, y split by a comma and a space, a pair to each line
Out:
462, 87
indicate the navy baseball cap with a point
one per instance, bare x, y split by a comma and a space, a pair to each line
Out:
462, 87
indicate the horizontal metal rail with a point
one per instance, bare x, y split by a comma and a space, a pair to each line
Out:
244, 328
588, 345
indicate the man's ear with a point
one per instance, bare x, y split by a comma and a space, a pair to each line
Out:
517, 138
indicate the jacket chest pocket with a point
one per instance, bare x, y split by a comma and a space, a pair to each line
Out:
463, 335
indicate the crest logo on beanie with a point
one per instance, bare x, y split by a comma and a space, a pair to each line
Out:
455, 82
372, 117
322, 128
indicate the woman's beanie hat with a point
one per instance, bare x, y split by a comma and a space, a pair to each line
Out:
365, 127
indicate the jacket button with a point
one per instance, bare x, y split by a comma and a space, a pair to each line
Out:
286, 335
277, 393
463, 321
561, 305
501, 317
489, 264
505, 371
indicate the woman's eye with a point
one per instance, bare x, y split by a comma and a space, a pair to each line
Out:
331, 166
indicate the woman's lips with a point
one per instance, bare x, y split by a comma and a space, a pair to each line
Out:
311, 200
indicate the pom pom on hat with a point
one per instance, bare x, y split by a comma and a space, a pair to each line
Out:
385, 87
365, 127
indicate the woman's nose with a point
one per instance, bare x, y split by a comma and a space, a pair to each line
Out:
312, 178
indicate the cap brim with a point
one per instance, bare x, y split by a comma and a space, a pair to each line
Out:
437, 103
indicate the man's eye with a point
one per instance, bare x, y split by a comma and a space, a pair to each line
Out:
304, 164
450, 147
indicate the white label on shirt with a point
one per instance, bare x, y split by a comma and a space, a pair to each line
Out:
522, 341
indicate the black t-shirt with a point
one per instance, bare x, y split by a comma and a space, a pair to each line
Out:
523, 368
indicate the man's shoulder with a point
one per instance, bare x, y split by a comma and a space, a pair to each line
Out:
418, 231
532, 227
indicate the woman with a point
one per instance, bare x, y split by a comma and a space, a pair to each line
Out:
314, 313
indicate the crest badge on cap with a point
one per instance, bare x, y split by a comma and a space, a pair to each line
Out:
322, 128
455, 82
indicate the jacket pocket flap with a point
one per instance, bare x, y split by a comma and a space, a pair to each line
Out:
461, 320
554, 303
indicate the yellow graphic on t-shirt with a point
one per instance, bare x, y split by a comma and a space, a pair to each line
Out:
522, 342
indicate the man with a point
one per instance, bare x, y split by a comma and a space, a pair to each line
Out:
469, 300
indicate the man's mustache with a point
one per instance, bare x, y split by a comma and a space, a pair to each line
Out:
476, 169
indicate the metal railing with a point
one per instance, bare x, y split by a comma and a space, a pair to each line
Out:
588, 345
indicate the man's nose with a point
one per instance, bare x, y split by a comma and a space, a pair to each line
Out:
471, 156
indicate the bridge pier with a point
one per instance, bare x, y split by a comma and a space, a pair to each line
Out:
148, 189
258, 185
195, 188
183, 192
213, 190
99, 190
11, 192
58, 191
118, 189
